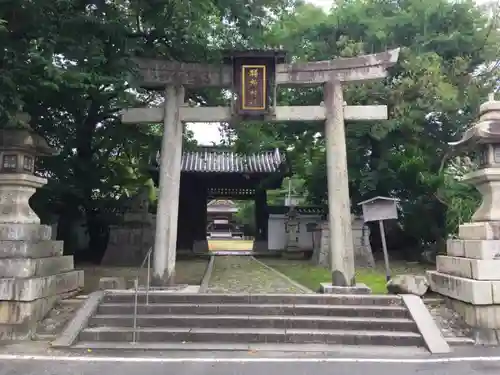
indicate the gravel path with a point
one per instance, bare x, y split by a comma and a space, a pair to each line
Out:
57, 319
242, 274
451, 324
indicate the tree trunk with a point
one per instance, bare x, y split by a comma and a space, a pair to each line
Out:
84, 176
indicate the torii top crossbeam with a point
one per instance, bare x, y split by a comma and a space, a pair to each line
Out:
158, 73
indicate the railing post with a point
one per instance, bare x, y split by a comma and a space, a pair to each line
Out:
147, 260
134, 333
148, 278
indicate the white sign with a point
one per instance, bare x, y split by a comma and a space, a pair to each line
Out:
379, 208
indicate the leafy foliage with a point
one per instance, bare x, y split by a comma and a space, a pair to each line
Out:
432, 94
68, 64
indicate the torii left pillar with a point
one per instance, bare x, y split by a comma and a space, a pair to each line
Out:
168, 200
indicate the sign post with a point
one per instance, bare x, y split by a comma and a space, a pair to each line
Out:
380, 209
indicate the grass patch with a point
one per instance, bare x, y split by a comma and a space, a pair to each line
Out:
311, 276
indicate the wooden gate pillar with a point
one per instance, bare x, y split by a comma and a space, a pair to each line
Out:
261, 220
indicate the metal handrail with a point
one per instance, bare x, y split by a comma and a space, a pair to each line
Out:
147, 259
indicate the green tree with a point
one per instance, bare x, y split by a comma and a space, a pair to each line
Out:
433, 94
68, 64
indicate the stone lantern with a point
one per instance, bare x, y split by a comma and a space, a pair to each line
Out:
484, 137
34, 273
19, 147
292, 229
469, 274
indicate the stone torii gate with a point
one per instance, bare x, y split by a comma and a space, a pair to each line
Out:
253, 78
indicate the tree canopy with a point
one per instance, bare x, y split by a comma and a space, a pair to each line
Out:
446, 68
68, 63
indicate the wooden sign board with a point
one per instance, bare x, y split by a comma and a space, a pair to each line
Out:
253, 88
253, 76
379, 208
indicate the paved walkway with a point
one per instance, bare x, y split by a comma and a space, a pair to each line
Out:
243, 274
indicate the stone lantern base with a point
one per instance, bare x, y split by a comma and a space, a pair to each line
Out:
469, 275
34, 274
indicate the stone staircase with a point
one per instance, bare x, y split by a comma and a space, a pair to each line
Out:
242, 321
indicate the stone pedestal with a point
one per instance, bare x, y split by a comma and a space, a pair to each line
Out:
292, 227
130, 241
469, 275
328, 288
33, 272
128, 244
321, 255
200, 246
363, 256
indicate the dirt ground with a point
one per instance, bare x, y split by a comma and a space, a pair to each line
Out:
189, 271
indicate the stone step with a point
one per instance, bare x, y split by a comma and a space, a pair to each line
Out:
257, 309
44, 337
317, 299
234, 348
245, 321
459, 341
252, 335
72, 301
433, 300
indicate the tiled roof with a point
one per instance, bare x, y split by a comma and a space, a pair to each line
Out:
304, 210
221, 202
231, 192
213, 160
221, 205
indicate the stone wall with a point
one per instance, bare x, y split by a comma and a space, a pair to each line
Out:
363, 255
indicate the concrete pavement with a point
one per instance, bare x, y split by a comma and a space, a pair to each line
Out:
39, 359
228, 366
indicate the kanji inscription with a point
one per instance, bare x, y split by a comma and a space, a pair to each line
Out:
253, 87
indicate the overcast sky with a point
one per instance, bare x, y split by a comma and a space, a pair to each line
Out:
206, 134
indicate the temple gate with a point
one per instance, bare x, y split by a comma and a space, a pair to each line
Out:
217, 173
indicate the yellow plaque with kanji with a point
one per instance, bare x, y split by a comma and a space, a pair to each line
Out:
253, 87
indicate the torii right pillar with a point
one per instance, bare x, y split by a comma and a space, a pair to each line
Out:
339, 208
